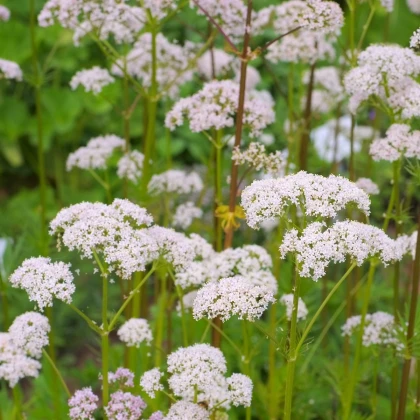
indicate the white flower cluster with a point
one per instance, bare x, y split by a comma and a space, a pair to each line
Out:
223, 63
232, 296
114, 231
251, 261
387, 73
10, 70
173, 63
319, 21
407, 244
93, 80
328, 90
130, 166
124, 406
103, 18
150, 382
256, 157
229, 15
4, 13
215, 106
414, 6
185, 214
83, 404
399, 142
316, 247
134, 332
200, 370
44, 280
368, 186
415, 40
96, 153
175, 181
159, 8
182, 410
187, 302
122, 376
380, 329
22, 346
314, 194
287, 301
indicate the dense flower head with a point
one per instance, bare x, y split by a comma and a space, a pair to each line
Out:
124, 406
134, 332
130, 166
4, 13
96, 153
253, 77
187, 302
44, 280
229, 15
175, 181
10, 70
414, 6
215, 62
182, 410
22, 346
386, 72
315, 194
215, 106
400, 141
159, 8
287, 301
29, 332
324, 16
185, 214
379, 329
240, 389
415, 40
150, 382
368, 186
102, 18
173, 63
122, 377
256, 157
93, 80
83, 404
318, 246
407, 244
157, 415
113, 231
232, 296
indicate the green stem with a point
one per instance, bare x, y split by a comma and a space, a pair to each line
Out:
247, 361
183, 319
161, 320
291, 360
103, 183
40, 134
355, 370
218, 188
375, 386
17, 403
57, 372
226, 337
5, 303
87, 319
395, 191
105, 341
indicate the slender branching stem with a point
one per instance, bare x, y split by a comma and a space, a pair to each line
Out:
57, 372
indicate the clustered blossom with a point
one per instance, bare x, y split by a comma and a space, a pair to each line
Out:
185, 214
159, 8
187, 302
134, 332
44, 280
256, 157
93, 80
130, 166
22, 346
328, 90
414, 6
314, 194
231, 296
182, 410
122, 376
415, 40
114, 231
368, 186
316, 247
124, 406
150, 382
215, 62
215, 106
96, 153
386, 73
83, 404
379, 329
103, 18
10, 70
229, 15
173, 64
175, 181
407, 244
197, 373
399, 141
157, 415
319, 23
287, 301
4, 13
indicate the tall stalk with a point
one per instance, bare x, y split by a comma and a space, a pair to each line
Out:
4, 303
348, 402
410, 331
